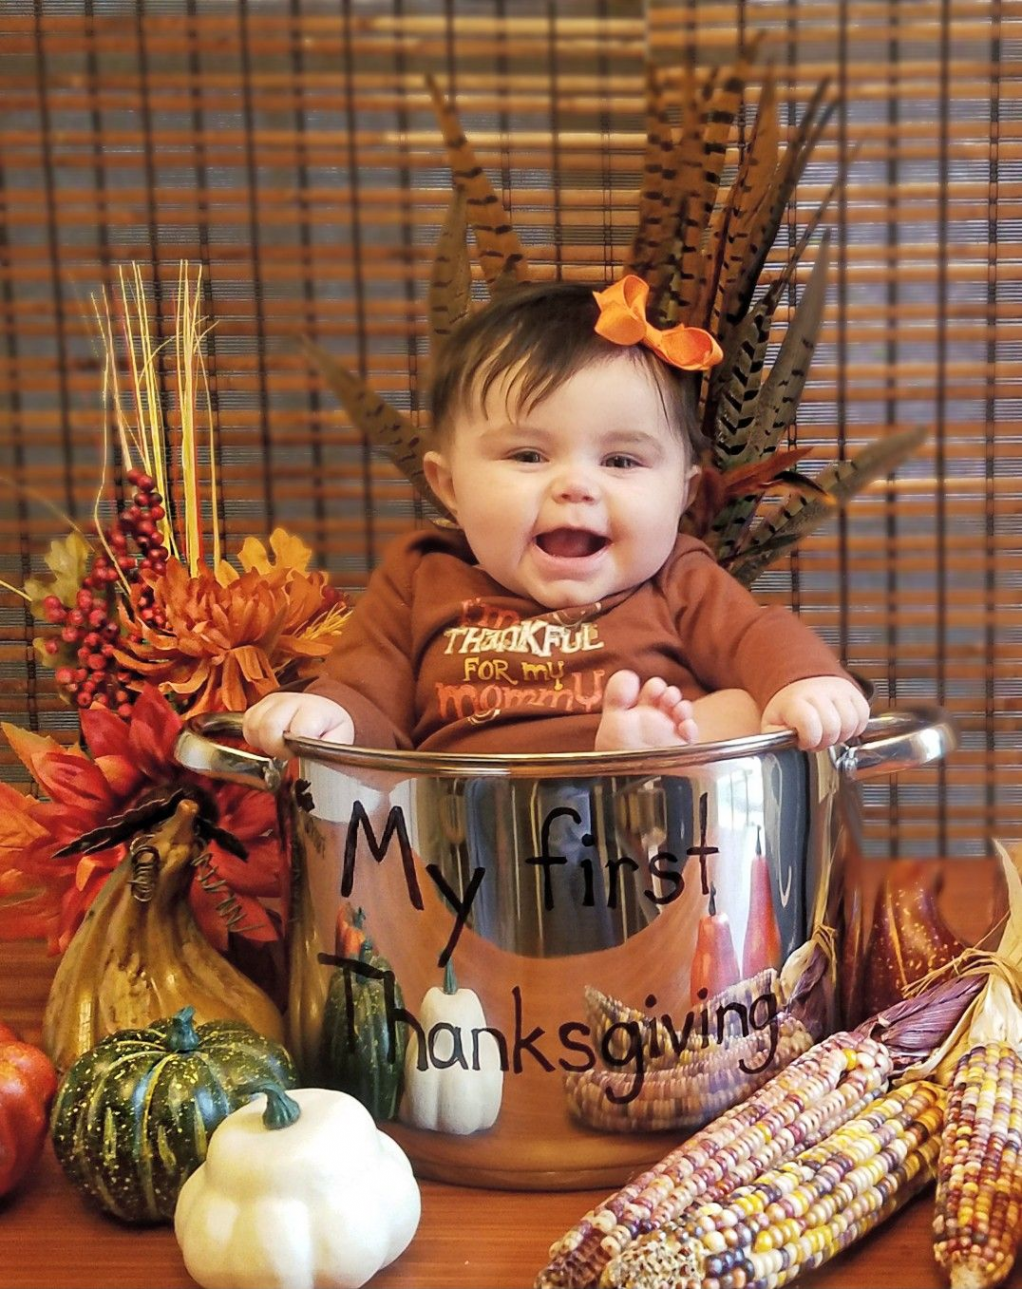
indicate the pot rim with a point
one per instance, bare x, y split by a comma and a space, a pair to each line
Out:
648, 763
652, 761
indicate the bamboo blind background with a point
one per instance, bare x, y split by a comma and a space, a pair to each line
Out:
288, 147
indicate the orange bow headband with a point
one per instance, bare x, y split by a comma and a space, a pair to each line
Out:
623, 321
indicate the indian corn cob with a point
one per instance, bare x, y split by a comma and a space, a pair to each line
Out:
797, 1216
978, 1214
721, 1018
699, 1085
798, 1107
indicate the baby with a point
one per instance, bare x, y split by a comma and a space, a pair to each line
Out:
567, 614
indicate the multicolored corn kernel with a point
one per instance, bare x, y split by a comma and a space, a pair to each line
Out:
700, 1084
977, 1222
800, 1106
797, 1216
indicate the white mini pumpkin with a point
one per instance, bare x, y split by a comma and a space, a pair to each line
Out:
298, 1189
460, 1089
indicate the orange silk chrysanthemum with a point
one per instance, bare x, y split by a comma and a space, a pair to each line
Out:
213, 643
220, 640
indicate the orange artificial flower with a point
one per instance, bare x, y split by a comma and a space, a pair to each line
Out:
127, 763
219, 640
316, 612
208, 643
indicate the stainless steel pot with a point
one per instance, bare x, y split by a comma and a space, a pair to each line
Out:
550, 884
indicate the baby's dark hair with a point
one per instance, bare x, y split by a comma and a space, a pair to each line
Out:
549, 329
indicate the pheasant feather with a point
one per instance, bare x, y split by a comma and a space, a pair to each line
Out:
778, 401
657, 178
800, 515
497, 243
383, 425
748, 196
700, 152
790, 169
734, 390
450, 282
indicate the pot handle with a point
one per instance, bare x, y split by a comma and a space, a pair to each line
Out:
900, 740
196, 750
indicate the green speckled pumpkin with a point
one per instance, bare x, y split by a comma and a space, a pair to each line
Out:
355, 1047
134, 1114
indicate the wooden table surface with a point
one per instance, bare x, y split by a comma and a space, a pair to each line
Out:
487, 1239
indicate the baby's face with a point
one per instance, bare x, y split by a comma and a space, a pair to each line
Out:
575, 498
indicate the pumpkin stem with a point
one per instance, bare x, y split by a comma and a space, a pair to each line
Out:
281, 1110
450, 984
712, 910
182, 1036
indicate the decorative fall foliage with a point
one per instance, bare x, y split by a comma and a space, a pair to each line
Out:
135, 600
140, 631
220, 640
56, 854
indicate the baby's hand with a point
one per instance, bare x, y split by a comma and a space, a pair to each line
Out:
307, 715
822, 711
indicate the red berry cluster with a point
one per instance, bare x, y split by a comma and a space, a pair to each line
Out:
91, 626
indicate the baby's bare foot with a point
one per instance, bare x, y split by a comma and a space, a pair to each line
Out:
643, 716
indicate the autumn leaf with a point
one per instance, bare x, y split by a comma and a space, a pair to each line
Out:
289, 552
68, 560
42, 655
28, 745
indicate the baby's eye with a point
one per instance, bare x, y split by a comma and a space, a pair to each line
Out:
621, 461
528, 456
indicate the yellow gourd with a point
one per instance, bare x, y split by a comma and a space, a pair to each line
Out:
139, 955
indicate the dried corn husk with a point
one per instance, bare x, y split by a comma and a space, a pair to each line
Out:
994, 1014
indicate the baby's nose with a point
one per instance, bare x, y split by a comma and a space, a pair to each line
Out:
576, 484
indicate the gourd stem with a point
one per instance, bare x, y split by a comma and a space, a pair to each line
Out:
182, 1036
281, 1110
450, 984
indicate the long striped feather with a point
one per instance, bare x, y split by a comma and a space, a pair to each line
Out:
712, 255
681, 188
450, 281
724, 379
497, 243
748, 195
799, 515
657, 179
718, 120
741, 376
383, 425
707, 119
789, 171
778, 401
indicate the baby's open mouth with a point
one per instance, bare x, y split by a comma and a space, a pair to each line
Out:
570, 543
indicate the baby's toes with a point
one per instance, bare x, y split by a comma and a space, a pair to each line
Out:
681, 711
669, 700
652, 692
621, 692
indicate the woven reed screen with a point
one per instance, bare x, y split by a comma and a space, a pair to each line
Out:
289, 148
